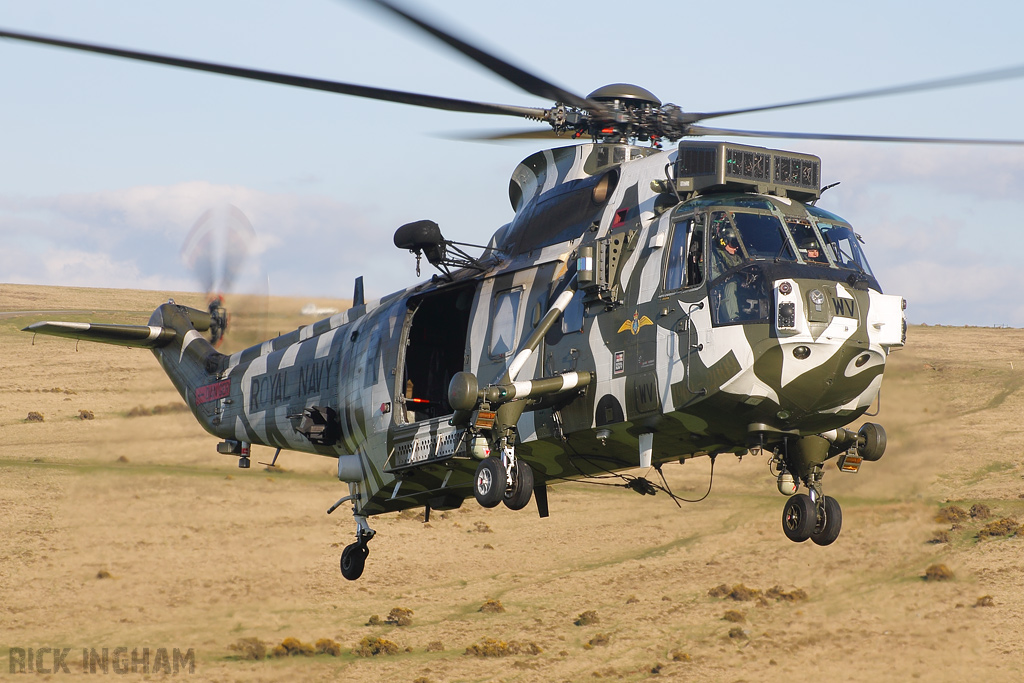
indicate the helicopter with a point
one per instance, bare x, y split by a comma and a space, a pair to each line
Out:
644, 306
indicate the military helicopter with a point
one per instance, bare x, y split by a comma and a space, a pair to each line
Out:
643, 306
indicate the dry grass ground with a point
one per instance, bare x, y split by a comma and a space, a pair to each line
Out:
195, 553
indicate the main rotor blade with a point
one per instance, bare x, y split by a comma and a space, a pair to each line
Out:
1004, 74
415, 99
531, 83
500, 135
704, 130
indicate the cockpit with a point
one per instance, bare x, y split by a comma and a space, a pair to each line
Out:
740, 244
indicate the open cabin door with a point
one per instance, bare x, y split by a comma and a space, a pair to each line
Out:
433, 349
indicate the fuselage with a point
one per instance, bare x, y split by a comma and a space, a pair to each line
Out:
714, 321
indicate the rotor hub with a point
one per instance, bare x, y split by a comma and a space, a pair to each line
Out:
627, 93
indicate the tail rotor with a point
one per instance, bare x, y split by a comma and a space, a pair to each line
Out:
216, 250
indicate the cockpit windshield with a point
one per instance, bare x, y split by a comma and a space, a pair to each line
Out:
738, 237
738, 246
807, 242
841, 242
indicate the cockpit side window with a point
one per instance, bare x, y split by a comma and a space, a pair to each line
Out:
842, 244
685, 266
807, 243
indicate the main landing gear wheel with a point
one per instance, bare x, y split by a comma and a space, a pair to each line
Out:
799, 518
353, 559
829, 522
490, 482
518, 495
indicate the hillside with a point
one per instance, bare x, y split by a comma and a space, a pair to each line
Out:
129, 530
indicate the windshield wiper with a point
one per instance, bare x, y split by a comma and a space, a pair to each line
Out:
785, 245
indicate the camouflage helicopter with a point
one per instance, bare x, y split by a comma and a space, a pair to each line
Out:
643, 306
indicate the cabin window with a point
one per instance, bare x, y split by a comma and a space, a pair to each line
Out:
685, 267
505, 322
572, 319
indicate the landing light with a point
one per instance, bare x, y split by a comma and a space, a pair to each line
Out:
801, 352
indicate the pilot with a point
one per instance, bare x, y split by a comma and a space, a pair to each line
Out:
728, 254
811, 251
727, 247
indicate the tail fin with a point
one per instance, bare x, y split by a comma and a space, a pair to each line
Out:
188, 358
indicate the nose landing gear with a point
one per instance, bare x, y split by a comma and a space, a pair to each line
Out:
816, 516
804, 518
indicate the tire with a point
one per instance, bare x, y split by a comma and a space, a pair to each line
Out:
798, 518
489, 483
829, 522
518, 496
874, 441
353, 560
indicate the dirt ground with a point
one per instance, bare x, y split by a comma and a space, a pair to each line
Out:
129, 530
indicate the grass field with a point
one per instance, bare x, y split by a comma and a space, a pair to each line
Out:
129, 530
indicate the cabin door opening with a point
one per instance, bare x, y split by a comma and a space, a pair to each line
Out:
435, 351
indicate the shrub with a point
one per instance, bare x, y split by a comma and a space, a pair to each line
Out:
980, 511
587, 618
250, 648
293, 647
938, 572
795, 595
1002, 527
371, 647
490, 647
492, 607
326, 646
719, 591
951, 514
399, 616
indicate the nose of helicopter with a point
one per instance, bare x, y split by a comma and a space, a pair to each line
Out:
828, 348
840, 376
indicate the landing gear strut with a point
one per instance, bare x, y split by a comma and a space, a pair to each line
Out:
353, 557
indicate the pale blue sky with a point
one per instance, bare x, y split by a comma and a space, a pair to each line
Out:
106, 164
